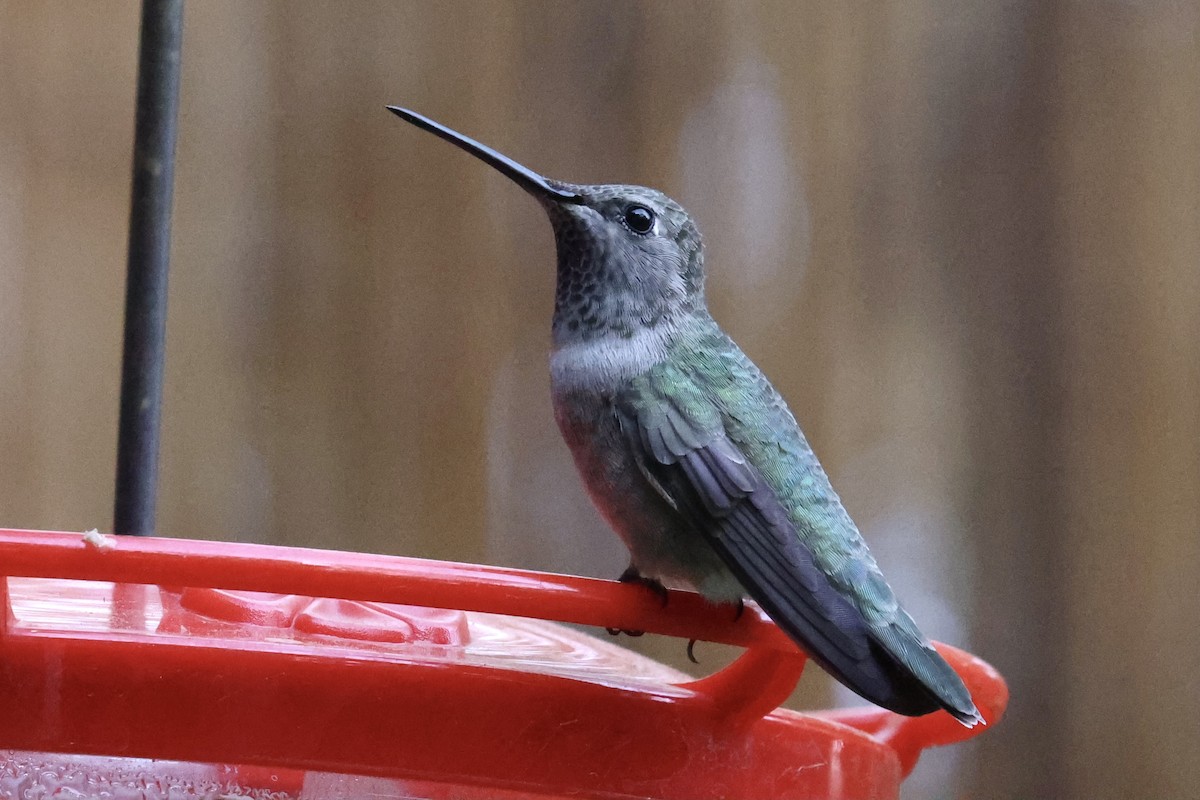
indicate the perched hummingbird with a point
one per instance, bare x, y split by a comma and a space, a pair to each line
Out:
690, 453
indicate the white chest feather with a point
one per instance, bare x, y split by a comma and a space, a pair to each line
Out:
606, 362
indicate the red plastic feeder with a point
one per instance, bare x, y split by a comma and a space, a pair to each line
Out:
161, 668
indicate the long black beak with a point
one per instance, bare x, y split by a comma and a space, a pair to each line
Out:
529, 180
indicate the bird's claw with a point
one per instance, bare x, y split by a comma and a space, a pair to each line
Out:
626, 631
690, 651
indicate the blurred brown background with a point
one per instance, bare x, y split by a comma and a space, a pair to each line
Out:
962, 238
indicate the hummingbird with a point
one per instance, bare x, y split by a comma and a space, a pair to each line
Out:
690, 453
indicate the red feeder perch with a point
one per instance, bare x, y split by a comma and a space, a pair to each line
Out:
135, 665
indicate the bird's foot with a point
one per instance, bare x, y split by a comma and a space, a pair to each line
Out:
631, 575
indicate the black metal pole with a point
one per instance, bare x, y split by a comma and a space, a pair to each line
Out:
149, 250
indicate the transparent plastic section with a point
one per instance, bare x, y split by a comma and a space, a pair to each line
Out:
42, 776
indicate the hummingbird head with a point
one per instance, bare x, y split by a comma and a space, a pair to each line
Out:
629, 258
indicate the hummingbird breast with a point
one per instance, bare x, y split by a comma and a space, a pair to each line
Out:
586, 376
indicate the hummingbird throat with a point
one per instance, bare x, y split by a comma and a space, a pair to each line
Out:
610, 287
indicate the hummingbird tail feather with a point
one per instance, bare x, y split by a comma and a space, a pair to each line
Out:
903, 642
853, 654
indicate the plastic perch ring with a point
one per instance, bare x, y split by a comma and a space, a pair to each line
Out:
255, 668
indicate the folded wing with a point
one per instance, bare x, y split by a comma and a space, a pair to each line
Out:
692, 462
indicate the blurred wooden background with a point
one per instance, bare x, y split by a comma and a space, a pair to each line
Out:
962, 238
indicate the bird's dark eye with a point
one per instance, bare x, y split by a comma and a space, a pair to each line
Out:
639, 219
